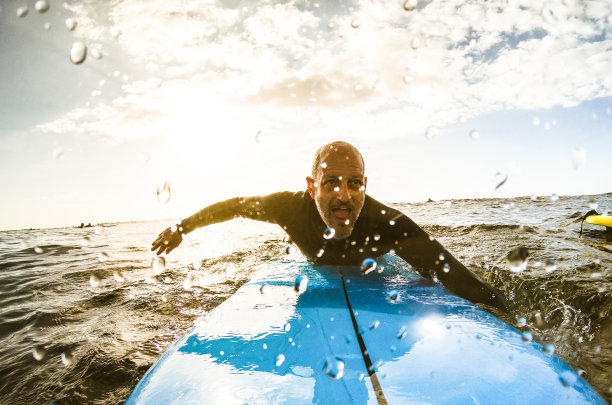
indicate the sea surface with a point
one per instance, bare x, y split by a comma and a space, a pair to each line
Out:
83, 314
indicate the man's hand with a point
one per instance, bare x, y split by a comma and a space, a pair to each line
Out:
167, 241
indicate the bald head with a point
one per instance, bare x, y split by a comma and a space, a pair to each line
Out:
334, 148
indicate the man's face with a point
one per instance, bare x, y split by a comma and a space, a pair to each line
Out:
339, 189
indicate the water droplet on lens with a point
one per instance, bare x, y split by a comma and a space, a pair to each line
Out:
394, 295
415, 43
289, 249
38, 249
301, 283
39, 353
474, 134
287, 327
391, 222
551, 265
280, 359
163, 193
102, 257
334, 367
374, 325
441, 257
323, 165
499, 179
57, 152
78, 52
329, 233
96, 53
336, 189
230, 269
355, 23
42, 6
188, 282
264, 289
568, 378
368, 265
158, 265
578, 158
407, 79
526, 336
522, 322
549, 348
22, 11
535, 121
67, 358
402, 333
70, 24
431, 132
410, 5
517, 259
118, 276
446, 267
94, 281
320, 252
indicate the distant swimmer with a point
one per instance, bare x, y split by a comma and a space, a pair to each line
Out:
335, 222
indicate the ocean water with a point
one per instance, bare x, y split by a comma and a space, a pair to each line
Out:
83, 315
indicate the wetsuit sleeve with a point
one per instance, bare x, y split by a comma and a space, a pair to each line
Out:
261, 208
430, 258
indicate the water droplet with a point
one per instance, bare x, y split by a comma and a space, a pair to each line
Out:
301, 283
431, 132
42, 6
376, 236
163, 193
280, 359
522, 322
410, 5
38, 249
374, 325
265, 346
474, 134
415, 43
78, 52
264, 289
188, 282
115, 32
70, 24
320, 252
568, 378
441, 256
102, 257
96, 53
39, 353
329, 233
67, 358
500, 179
336, 189
551, 265
402, 333
517, 259
289, 249
549, 348
230, 269
578, 158
334, 367
368, 265
391, 222
287, 327
118, 276
355, 23
22, 11
446, 267
535, 121
94, 281
526, 336
407, 79
57, 152
394, 295
554, 197
158, 265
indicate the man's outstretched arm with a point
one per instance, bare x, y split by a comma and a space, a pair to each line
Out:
428, 256
247, 207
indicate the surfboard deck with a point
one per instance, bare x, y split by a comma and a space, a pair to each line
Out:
270, 344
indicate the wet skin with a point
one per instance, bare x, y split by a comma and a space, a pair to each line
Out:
338, 189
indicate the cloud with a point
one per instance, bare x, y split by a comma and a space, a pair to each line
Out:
372, 61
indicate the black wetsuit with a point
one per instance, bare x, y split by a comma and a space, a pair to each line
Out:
379, 229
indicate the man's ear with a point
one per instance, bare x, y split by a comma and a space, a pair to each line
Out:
311, 187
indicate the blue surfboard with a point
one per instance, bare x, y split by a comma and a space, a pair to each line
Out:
346, 337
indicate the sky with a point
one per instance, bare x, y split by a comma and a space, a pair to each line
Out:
218, 99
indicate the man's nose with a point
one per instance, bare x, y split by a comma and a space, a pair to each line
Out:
343, 193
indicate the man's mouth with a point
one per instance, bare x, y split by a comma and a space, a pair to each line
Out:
341, 214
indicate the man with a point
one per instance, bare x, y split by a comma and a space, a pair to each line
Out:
335, 222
